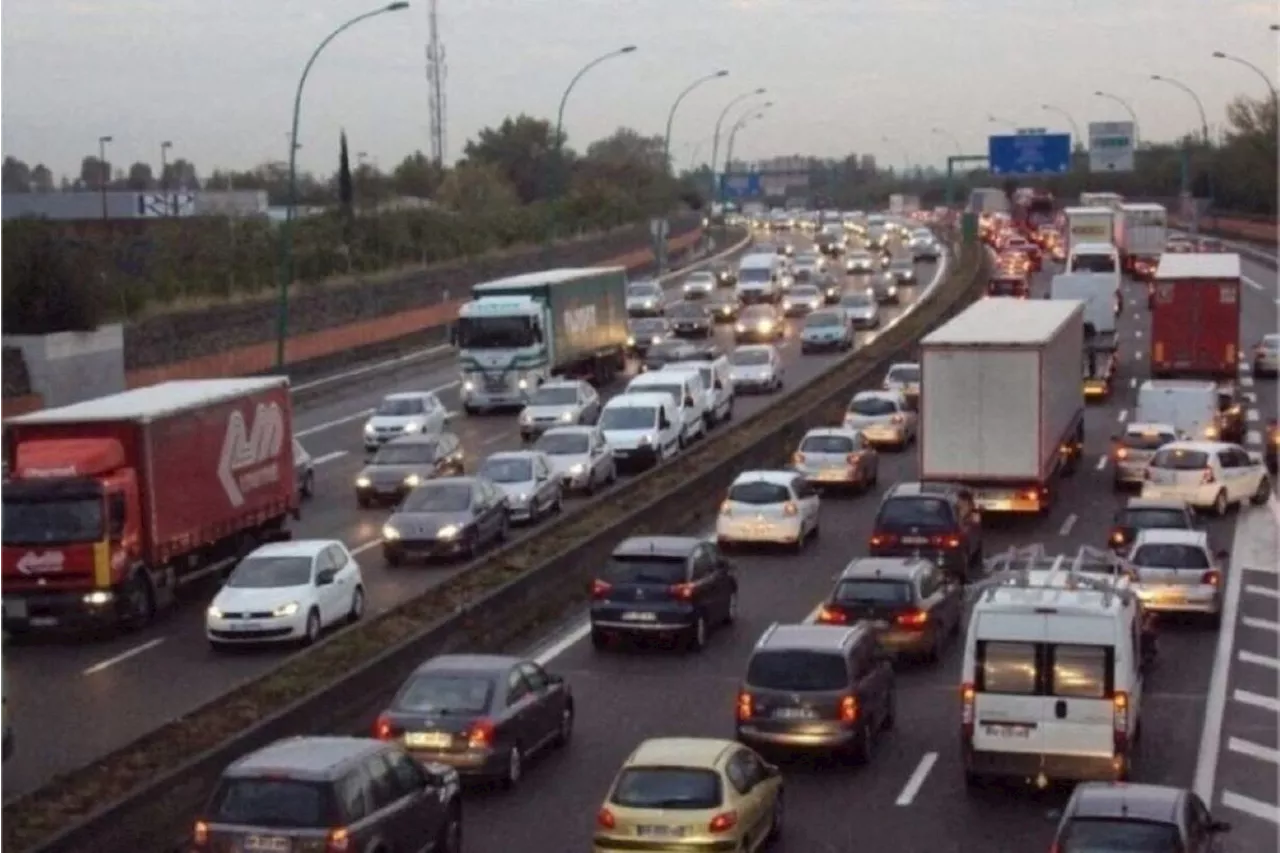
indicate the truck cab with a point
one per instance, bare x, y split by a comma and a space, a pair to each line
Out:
502, 350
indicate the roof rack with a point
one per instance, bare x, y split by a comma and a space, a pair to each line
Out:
1090, 568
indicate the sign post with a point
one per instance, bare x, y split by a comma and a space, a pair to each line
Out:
1111, 146
658, 228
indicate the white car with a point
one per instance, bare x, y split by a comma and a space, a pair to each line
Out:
1177, 573
408, 413
644, 299
768, 507
860, 261
699, 285
1208, 475
883, 417
1266, 356
286, 592
837, 456
904, 377
559, 402
579, 456
802, 299
525, 477
756, 367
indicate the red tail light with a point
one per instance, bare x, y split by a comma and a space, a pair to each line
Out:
384, 729
600, 589
481, 735
1207, 477
883, 539
200, 834
338, 841
828, 615
1212, 577
1117, 537
852, 459
797, 458
605, 819
1120, 720
967, 699
723, 822
746, 707
682, 591
943, 541
898, 419
1122, 453
912, 619
849, 709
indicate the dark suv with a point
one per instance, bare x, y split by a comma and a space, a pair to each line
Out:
935, 521
661, 587
816, 687
331, 793
1120, 816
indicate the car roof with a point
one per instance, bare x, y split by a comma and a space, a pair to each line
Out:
780, 478
1158, 803
1155, 503
832, 638
293, 548
878, 394
890, 568
450, 481
515, 454
1200, 446
905, 365
561, 383
840, 432
316, 758
681, 752
918, 489
1141, 427
1172, 536
491, 664
408, 395
639, 398
572, 429
753, 347
657, 546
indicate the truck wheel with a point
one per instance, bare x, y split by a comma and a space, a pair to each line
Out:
309, 484
140, 601
357, 605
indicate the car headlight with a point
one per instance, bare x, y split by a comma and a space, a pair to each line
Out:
448, 531
657, 339
369, 430
764, 325
413, 480
646, 440
363, 482
740, 328
468, 385
786, 305
648, 303
526, 418
389, 532
522, 384
286, 609
726, 310
631, 341
568, 417
521, 499
213, 612
577, 468
893, 291
413, 426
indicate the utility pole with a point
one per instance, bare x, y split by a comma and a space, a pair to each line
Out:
437, 73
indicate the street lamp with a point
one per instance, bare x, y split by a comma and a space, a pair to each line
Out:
906, 160
164, 173
1133, 116
1075, 128
1178, 84
715, 139
104, 171
671, 116
1275, 95
558, 142
938, 131
286, 237
994, 119
742, 122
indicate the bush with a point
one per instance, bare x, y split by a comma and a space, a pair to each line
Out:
48, 283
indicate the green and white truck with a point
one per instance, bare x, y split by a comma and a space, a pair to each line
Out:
520, 331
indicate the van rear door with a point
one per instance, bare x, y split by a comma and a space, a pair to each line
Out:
1078, 677
1008, 707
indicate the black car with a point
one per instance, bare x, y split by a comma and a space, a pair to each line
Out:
1231, 416
724, 309
726, 276
936, 521
759, 324
406, 462
832, 288
814, 687
691, 319
668, 352
915, 607
482, 715
331, 793
449, 517
1148, 514
1125, 816
644, 332
660, 587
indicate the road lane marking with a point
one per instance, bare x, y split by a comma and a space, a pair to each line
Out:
918, 776
1255, 285
1252, 416
1133, 382
1102, 462
1250, 806
1260, 624
494, 439
1257, 700
1123, 416
1266, 591
1258, 660
363, 413
1254, 437
367, 546
1246, 381
1250, 396
1069, 523
371, 368
1253, 750
123, 656
1137, 356
328, 457
1137, 333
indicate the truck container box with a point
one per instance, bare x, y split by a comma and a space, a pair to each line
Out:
1195, 316
1089, 225
1141, 231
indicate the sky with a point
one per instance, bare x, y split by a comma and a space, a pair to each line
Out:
217, 77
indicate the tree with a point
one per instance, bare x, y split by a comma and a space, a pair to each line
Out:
345, 194
626, 146
15, 175
416, 176
48, 282
475, 188
522, 149
41, 179
180, 175
94, 173
140, 177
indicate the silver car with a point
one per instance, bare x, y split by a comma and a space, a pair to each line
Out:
559, 402
837, 456
802, 299
902, 269
1177, 572
755, 368
644, 299
862, 309
828, 329
699, 285
304, 471
579, 456
524, 476
884, 289
883, 417
860, 261
1266, 356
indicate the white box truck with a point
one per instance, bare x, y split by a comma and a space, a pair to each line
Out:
1141, 231
1089, 225
1001, 402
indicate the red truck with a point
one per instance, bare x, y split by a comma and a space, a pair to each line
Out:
1195, 316
112, 504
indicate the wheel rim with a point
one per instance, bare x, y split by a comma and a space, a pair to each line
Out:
566, 723
313, 626
357, 602
513, 765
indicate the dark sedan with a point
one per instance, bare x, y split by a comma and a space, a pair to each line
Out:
691, 319
644, 332
724, 309
449, 517
668, 352
759, 324
483, 715
726, 276
404, 463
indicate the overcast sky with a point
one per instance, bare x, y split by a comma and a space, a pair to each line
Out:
217, 77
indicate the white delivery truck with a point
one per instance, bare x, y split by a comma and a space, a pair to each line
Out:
1088, 225
1111, 201
1001, 403
1141, 231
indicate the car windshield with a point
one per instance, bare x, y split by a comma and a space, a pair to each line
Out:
755, 275
827, 444
1119, 835
668, 350
400, 407
1171, 555
649, 327
872, 406
275, 803
270, 572
692, 788
856, 300
64, 520
408, 453
1151, 519
628, 417
1147, 440
922, 512
1178, 459
686, 310
508, 469
823, 319
562, 444
438, 497
561, 396
759, 492
701, 278
797, 670
644, 290
646, 569
872, 592
907, 375
1093, 263
805, 291
757, 314
445, 693
749, 357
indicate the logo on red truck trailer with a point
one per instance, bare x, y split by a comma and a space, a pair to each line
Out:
41, 562
250, 456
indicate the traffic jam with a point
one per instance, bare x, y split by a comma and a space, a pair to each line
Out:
994, 587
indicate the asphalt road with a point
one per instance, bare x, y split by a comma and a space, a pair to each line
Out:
71, 703
912, 796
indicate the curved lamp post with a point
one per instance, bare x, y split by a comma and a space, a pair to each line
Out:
742, 122
671, 116
1178, 84
1133, 116
715, 139
1075, 128
1275, 95
564, 99
286, 265
938, 131
995, 119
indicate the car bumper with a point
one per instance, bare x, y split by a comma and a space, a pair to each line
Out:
247, 631
28, 611
531, 431
880, 435
833, 475
753, 386
776, 532
485, 399
609, 844
635, 458
1030, 765
803, 735
1180, 599
469, 763
823, 343
1131, 472
616, 618
1200, 497
381, 497
692, 331
422, 549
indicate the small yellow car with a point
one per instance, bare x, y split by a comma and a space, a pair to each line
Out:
691, 794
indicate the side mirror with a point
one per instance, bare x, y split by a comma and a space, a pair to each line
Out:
1218, 827
664, 423
771, 771
325, 577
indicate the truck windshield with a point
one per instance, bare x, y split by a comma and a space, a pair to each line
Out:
494, 332
34, 522
754, 275
1093, 263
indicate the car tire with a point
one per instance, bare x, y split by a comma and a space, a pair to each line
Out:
356, 611
364, 502
308, 484
599, 640
1263, 494
1220, 503
514, 770
564, 732
777, 819
697, 639
311, 632
731, 612
449, 839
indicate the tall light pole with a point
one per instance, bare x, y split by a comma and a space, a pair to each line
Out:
286, 236
745, 119
558, 142
1133, 116
1178, 84
1075, 128
715, 139
1275, 94
671, 116
104, 171
946, 134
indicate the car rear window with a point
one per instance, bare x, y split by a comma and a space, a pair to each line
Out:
275, 803
1007, 667
827, 444
1177, 459
1171, 556
873, 592
690, 788
1153, 519
1119, 836
759, 493
797, 669
922, 512
873, 406
1147, 440
645, 570
445, 693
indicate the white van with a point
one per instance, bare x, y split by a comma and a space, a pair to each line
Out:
686, 391
1189, 406
1096, 259
759, 278
1053, 671
717, 383
642, 430
1098, 293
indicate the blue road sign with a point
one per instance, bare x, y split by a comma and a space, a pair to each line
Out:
1030, 154
740, 185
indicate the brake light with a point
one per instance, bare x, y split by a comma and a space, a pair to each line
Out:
1120, 720
913, 619
879, 539
1207, 477
600, 589
967, 699
789, 508
1212, 577
853, 459
384, 729
828, 615
200, 833
338, 841
1122, 453
944, 541
849, 709
682, 591
726, 508
746, 708
797, 458
1117, 537
723, 822
481, 735
605, 819
897, 419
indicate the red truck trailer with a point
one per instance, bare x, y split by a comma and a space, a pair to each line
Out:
1195, 316
112, 504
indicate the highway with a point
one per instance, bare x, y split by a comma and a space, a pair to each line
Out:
74, 702
912, 796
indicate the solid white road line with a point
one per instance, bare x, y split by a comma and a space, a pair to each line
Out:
1250, 806
328, 457
1252, 415
1246, 380
1102, 462
1255, 285
370, 368
1067, 524
123, 656
1264, 591
1123, 416
367, 546
1257, 700
918, 776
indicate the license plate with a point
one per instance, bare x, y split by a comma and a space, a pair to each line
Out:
428, 740
495, 385
792, 714
915, 540
267, 844
639, 617
1175, 595
660, 831
15, 608
831, 474
1017, 732
880, 624
244, 626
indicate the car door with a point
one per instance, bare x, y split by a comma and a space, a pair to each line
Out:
872, 677
969, 519
394, 806
807, 497
490, 507
549, 701
424, 813
1246, 474
435, 413
328, 591
590, 401
545, 486
520, 721
448, 461
750, 781
708, 597
346, 578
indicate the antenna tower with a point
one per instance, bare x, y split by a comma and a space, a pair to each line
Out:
437, 73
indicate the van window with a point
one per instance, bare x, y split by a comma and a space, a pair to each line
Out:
1178, 459
628, 417
1080, 671
1093, 263
1007, 668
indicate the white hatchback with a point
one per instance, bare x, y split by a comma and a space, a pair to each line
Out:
1208, 475
768, 507
883, 417
286, 592
1177, 573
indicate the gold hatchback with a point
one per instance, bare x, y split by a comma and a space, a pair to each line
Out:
691, 794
